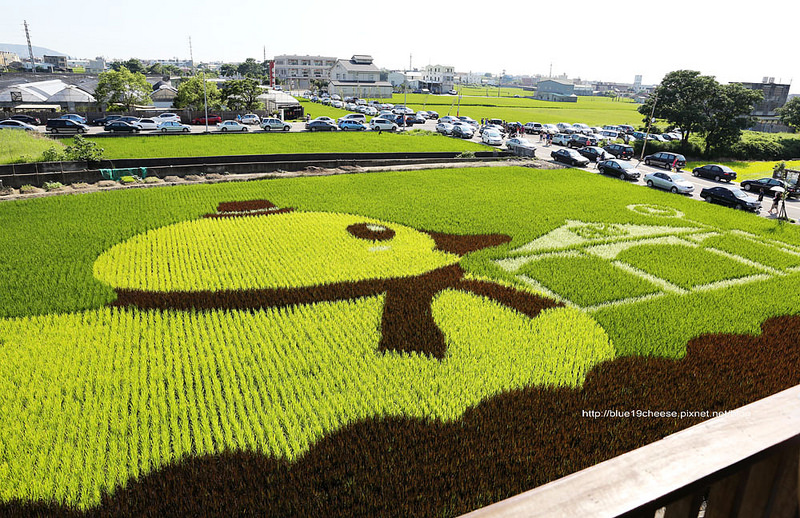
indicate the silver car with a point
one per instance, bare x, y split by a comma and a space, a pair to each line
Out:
669, 181
445, 128
274, 124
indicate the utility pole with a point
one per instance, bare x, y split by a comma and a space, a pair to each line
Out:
647, 132
30, 47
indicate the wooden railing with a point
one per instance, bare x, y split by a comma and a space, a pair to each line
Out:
742, 464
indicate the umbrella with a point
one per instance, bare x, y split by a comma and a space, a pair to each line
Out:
778, 188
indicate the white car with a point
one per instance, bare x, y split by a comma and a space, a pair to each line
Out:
326, 119
445, 128
449, 119
518, 142
146, 124
550, 129
172, 126
669, 181
382, 124
371, 111
250, 118
337, 104
164, 117
231, 126
492, 137
353, 117
562, 139
12, 124
274, 124
387, 106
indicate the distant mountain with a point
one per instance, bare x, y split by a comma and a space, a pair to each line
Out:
22, 50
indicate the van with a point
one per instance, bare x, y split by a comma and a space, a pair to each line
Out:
358, 117
65, 126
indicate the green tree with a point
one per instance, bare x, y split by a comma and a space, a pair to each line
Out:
122, 87
790, 113
156, 69
242, 94
681, 99
190, 94
250, 68
727, 113
228, 69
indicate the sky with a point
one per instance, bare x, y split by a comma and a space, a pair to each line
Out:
590, 40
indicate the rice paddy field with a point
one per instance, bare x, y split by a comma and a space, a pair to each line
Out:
417, 343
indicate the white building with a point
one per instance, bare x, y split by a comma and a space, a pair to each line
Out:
411, 79
438, 78
358, 77
298, 71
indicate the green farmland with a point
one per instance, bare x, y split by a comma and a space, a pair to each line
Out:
330, 346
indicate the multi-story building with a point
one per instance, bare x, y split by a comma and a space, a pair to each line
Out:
775, 96
58, 62
410, 79
358, 77
6, 58
438, 78
298, 71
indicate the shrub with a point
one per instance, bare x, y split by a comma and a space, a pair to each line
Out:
27, 189
82, 149
126, 180
153, 179
52, 155
52, 186
466, 154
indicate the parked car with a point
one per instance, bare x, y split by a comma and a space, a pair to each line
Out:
146, 124
562, 139
231, 126
445, 128
715, 171
472, 122
173, 126
626, 128
492, 137
490, 127
577, 140
582, 128
565, 127
370, 110
352, 125
358, 117
731, 197
519, 142
611, 134
326, 119
533, 128
74, 117
769, 184
666, 159
321, 125
400, 110
569, 156
452, 92
620, 150
550, 129
250, 118
616, 167
102, 121
669, 181
12, 124
272, 123
382, 124
27, 119
433, 115
337, 104
212, 119
593, 152
449, 119
121, 127
65, 126
163, 117
463, 130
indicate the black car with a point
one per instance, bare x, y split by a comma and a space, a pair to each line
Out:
121, 126
769, 184
592, 152
102, 121
433, 115
569, 156
65, 126
666, 160
321, 126
731, 197
463, 131
715, 171
27, 119
620, 151
620, 169
579, 140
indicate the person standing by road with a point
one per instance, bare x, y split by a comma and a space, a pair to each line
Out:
776, 199
761, 194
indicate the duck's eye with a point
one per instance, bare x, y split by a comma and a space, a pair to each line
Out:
371, 232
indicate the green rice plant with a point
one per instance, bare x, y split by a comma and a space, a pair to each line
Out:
586, 280
755, 251
685, 266
52, 186
127, 180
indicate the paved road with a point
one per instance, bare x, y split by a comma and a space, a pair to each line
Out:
792, 206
